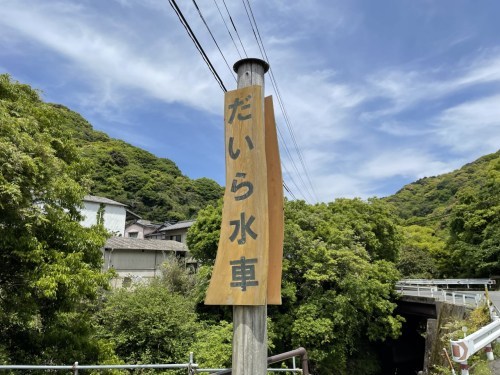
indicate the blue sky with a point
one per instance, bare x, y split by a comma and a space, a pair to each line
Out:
379, 93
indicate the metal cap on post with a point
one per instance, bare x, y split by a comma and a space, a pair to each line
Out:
250, 71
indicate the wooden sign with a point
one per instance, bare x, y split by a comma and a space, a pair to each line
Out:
276, 206
241, 266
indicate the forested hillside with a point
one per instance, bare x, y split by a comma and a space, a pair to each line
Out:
152, 187
433, 196
452, 222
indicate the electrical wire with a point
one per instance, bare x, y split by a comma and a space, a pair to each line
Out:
213, 38
235, 29
289, 155
260, 43
227, 28
190, 32
282, 105
220, 82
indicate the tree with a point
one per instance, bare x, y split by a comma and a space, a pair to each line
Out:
474, 245
421, 253
50, 274
203, 235
148, 324
338, 279
213, 346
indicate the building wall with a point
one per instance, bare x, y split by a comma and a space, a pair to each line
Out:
135, 265
141, 230
114, 217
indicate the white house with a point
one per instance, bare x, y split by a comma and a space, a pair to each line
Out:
140, 228
114, 214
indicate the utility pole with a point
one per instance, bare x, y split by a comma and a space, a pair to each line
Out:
250, 322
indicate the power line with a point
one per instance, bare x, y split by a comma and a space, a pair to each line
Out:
219, 80
282, 105
190, 32
287, 152
227, 28
258, 38
213, 38
234, 26
288, 190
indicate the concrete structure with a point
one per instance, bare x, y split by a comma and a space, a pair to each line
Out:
139, 260
114, 214
141, 228
173, 232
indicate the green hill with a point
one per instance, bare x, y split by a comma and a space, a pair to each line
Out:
452, 222
434, 196
152, 187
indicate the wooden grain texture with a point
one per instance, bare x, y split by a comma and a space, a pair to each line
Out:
249, 340
276, 206
245, 137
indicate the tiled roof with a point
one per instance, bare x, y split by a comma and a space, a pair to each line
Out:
145, 223
178, 225
125, 243
93, 198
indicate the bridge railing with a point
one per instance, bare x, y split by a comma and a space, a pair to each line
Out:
457, 298
459, 282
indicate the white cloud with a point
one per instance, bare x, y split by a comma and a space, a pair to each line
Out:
402, 162
99, 50
341, 185
401, 129
471, 126
410, 89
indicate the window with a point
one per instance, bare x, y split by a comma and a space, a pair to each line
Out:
177, 238
133, 234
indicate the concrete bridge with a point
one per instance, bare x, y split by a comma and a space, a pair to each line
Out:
423, 303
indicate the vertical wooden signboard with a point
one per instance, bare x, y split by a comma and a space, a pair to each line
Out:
276, 206
247, 270
240, 273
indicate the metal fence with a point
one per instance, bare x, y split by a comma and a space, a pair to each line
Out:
455, 282
191, 367
457, 298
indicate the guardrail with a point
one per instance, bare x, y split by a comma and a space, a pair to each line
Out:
461, 282
457, 298
463, 349
191, 367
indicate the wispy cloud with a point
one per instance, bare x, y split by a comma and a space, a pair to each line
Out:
410, 89
471, 126
69, 31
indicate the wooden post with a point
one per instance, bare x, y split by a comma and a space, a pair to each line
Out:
250, 322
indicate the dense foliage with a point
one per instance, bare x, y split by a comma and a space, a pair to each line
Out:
50, 272
338, 280
152, 187
148, 324
452, 222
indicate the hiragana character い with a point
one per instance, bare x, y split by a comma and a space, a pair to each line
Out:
235, 154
